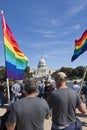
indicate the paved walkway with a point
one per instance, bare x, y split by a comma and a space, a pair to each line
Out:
47, 123
2, 111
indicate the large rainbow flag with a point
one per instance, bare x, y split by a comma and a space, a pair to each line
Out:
15, 60
80, 46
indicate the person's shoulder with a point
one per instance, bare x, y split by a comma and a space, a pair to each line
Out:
77, 85
20, 101
39, 99
41, 102
70, 89
72, 92
54, 92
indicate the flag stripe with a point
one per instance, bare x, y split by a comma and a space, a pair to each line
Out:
12, 42
12, 74
12, 56
12, 67
80, 45
83, 37
19, 64
17, 54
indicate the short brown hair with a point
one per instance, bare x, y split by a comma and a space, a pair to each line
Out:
30, 86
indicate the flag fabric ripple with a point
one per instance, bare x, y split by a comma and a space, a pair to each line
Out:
15, 60
80, 46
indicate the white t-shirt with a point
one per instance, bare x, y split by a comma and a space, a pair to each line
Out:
76, 87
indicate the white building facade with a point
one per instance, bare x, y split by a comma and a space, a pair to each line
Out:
42, 69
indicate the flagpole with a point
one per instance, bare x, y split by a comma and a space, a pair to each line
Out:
8, 91
7, 80
83, 79
2, 12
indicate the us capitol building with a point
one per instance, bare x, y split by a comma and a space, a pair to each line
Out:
42, 69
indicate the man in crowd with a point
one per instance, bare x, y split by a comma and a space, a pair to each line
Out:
2, 92
41, 89
84, 92
76, 86
29, 112
16, 91
64, 102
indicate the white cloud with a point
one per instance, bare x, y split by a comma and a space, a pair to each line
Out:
49, 56
71, 29
44, 33
48, 44
58, 51
76, 27
78, 7
55, 22
49, 35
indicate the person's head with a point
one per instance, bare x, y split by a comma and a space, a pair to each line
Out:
15, 82
60, 79
30, 86
42, 81
47, 83
75, 82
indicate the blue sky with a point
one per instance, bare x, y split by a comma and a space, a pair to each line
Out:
48, 28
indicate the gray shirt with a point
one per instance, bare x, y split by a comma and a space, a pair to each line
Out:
63, 103
29, 113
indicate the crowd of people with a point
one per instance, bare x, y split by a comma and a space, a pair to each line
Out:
32, 103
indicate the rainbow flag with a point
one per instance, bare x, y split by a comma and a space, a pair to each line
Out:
80, 46
15, 60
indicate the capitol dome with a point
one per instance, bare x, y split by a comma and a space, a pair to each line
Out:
42, 69
42, 63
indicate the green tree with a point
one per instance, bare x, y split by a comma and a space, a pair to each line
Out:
67, 71
78, 72
72, 73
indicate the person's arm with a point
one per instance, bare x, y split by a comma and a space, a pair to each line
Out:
82, 108
10, 125
12, 89
47, 109
48, 116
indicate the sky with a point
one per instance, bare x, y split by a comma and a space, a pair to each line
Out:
46, 28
